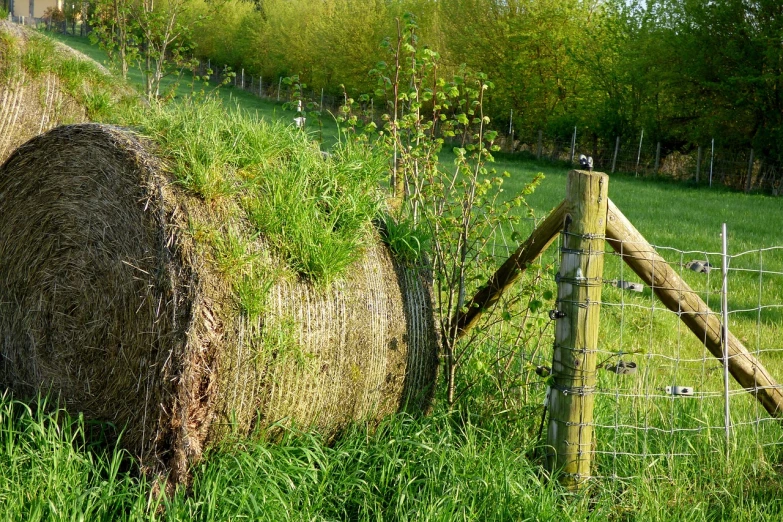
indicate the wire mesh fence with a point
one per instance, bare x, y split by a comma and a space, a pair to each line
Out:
713, 163
661, 396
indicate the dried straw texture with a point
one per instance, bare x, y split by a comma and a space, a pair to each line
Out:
106, 299
43, 84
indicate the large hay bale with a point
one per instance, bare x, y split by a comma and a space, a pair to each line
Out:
106, 299
44, 84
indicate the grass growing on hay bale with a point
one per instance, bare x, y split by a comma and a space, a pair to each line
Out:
229, 280
44, 84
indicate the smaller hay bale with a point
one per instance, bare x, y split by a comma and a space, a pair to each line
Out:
107, 301
44, 84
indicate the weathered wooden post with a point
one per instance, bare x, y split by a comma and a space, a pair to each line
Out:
571, 395
540, 145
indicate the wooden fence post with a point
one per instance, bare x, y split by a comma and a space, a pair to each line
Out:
616, 150
540, 145
571, 394
698, 165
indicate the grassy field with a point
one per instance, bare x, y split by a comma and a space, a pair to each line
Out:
481, 461
184, 85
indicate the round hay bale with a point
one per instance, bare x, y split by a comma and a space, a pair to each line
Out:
44, 83
106, 300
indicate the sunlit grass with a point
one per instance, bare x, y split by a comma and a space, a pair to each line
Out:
478, 462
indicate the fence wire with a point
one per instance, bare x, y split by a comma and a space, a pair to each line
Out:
673, 406
660, 396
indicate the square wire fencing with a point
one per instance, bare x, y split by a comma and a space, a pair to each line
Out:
661, 394
663, 401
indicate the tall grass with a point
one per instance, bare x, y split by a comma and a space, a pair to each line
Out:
57, 467
449, 466
315, 210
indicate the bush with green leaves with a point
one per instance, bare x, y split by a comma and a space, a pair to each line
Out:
443, 215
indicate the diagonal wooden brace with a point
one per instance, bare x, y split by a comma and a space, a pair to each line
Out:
678, 297
509, 272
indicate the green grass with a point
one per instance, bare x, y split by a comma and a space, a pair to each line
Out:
444, 467
99, 93
480, 461
265, 187
476, 463
180, 87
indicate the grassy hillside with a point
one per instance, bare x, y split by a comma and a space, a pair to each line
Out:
184, 85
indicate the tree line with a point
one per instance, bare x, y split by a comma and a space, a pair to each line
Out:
684, 71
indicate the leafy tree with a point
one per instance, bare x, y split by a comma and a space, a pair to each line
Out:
165, 41
443, 215
524, 46
147, 32
114, 29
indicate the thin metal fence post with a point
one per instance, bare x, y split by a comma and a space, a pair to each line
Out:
639, 155
616, 150
540, 145
573, 147
712, 158
725, 332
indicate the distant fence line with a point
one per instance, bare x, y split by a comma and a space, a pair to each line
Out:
713, 163
44, 23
